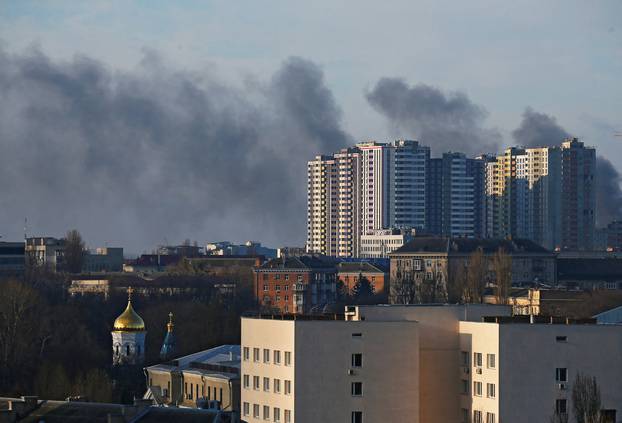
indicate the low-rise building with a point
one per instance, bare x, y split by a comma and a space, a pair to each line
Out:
104, 259
424, 363
47, 252
12, 259
349, 274
591, 271
431, 260
295, 284
198, 379
381, 242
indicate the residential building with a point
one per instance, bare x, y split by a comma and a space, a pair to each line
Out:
333, 204
379, 243
376, 177
435, 261
425, 363
578, 195
295, 284
590, 272
451, 195
210, 377
12, 259
610, 237
249, 248
349, 273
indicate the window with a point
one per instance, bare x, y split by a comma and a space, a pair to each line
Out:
287, 287
490, 418
266, 384
246, 409
276, 413
247, 381
357, 389
288, 358
266, 412
490, 390
277, 357
246, 353
266, 355
477, 359
464, 358
265, 287
255, 354
477, 416
256, 383
465, 387
288, 416
277, 277
357, 417
286, 277
265, 276
357, 335
490, 361
561, 338
477, 389
277, 386
561, 374
357, 360
465, 415
256, 410
278, 298
561, 406
288, 387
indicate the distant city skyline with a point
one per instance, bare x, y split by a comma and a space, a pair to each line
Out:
140, 123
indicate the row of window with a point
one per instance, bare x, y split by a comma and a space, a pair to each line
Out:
276, 356
276, 384
478, 416
478, 359
277, 276
276, 413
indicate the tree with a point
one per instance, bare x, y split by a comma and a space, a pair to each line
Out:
502, 267
586, 399
403, 288
558, 417
74, 251
476, 276
362, 291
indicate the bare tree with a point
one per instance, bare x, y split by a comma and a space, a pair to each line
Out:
74, 251
558, 417
403, 288
502, 267
586, 399
476, 276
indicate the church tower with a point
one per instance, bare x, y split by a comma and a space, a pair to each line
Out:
128, 336
169, 346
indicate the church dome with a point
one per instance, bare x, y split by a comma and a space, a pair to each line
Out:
129, 320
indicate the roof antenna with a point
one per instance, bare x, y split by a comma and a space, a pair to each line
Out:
25, 228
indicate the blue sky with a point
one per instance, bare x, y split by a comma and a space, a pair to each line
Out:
563, 58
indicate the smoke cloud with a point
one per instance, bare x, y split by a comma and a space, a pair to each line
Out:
141, 157
541, 130
445, 122
538, 130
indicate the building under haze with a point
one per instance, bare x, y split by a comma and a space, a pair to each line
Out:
12, 259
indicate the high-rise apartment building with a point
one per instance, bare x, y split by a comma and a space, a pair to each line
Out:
334, 204
375, 185
451, 195
578, 195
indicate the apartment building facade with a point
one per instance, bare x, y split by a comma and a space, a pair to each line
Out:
295, 284
305, 370
380, 243
425, 363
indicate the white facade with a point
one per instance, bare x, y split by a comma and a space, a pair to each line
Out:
380, 243
128, 348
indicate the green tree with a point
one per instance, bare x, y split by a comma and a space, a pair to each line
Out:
75, 251
362, 291
586, 399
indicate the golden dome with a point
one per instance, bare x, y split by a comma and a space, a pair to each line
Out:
129, 320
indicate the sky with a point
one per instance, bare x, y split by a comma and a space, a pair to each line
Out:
277, 79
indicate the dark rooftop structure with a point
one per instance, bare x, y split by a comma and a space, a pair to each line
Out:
300, 262
469, 245
362, 267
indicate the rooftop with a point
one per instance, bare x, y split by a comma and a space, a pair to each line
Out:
221, 359
361, 266
300, 262
468, 245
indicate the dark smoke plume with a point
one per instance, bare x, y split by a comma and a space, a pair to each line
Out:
538, 130
541, 130
443, 122
138, 157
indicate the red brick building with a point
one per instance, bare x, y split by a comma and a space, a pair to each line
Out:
349, 274
295, 284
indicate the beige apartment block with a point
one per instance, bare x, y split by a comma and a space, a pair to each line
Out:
307, 370
522, 372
